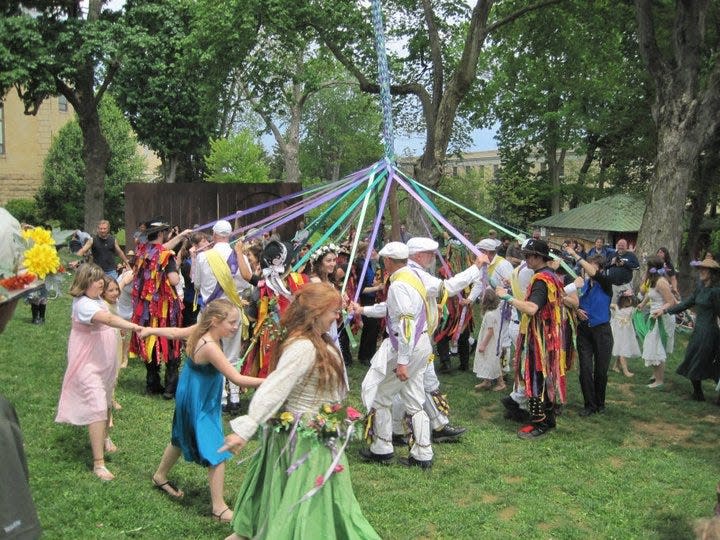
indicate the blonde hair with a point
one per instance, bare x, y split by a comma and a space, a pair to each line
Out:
216, 311
84, 277
302, 319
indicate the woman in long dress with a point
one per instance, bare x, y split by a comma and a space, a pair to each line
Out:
659, 342
86, 395
297, 484
702, 356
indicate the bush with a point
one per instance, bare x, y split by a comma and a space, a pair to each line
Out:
24, 210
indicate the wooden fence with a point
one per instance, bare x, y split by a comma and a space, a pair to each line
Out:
188, 205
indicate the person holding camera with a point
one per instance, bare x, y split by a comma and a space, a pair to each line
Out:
620, 267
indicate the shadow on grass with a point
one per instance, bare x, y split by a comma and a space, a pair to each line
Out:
672, 526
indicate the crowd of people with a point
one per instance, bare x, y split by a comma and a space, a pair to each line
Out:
272, 315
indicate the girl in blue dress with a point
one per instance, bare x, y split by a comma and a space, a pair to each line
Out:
197, 427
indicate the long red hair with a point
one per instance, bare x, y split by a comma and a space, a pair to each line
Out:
303, 319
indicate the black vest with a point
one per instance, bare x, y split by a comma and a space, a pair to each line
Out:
103, 252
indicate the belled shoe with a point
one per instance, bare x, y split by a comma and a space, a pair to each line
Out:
412, 462
533, 431
399, 439
370, 456
447, 434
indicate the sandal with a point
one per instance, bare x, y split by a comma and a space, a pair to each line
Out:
219, 516
102, 473
165, 487
110, 447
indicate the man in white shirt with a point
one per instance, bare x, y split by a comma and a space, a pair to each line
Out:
211, 266
422, 255
399, 365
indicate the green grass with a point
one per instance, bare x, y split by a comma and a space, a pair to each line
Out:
646, 469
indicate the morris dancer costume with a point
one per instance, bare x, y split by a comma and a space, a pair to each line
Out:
217, 275
436, 405
156, 304
276, 293
540, 353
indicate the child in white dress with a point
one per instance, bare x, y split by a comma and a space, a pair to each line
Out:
487, 364
625, 343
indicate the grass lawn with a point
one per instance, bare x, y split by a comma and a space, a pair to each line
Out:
645, 469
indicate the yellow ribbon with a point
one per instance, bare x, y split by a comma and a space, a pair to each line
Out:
221, 271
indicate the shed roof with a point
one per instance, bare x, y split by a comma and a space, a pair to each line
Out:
617, 213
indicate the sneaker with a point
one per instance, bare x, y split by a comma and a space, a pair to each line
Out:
399, 439
533, 431
367, 455
412, 462
447, 434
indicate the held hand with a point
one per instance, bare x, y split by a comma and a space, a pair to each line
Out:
570, 251
582, 315
481, 260
144, 333
401, 372
579, 282
657, 313
500, 291
465, 302
233, 444
186, 232
481, 348
355, 308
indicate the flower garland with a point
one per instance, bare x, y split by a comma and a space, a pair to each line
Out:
319, 253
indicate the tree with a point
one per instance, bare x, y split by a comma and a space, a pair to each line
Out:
437, 67
238, 158
342, 133
62, 47
176, 97
61, 195
569, 79
680, 53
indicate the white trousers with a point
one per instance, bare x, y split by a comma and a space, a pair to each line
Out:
431, 384
411, 395
231, 349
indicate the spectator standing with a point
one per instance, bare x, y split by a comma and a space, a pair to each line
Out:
103, 247
594, 334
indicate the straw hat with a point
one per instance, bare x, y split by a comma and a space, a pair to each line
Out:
708, 262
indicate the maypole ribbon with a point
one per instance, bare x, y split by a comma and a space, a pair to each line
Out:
383, 81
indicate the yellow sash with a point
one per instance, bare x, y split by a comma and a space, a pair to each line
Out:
410, 278
221, 271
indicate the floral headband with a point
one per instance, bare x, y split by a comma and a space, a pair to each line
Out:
658, 271
324, 250
628, 292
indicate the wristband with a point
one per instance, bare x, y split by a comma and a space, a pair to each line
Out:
508, 298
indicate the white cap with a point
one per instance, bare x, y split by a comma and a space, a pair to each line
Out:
420, 244
394, 250
222, 228
488, 244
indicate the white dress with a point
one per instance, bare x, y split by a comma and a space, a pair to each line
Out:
625, 341
654, 352
487, 363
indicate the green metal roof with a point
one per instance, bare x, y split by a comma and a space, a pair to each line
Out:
617, 213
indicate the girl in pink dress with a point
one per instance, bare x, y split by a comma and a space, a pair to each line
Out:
86, 395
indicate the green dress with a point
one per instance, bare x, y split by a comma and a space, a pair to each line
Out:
702, 356
284, 494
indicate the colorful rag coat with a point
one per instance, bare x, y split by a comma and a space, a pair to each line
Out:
156, 304
267, 331
541, 344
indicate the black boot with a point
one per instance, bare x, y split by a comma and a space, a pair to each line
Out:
698, 394
34, 309
41, 313
152, 378
171, 378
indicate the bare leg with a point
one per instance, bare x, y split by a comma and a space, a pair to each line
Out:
216, 479
623, 365
234, 536
97, 432
168, 461
616, 365
658, 373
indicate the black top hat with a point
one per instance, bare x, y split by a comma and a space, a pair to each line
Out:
155, 225
533, 246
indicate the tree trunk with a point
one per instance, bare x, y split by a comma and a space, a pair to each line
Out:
172, 168
663, 220
96, 156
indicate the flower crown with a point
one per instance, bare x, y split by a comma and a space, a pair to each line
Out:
627, 292
658, 271
322, 251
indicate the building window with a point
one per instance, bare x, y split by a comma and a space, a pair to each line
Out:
62, 104
2, 130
